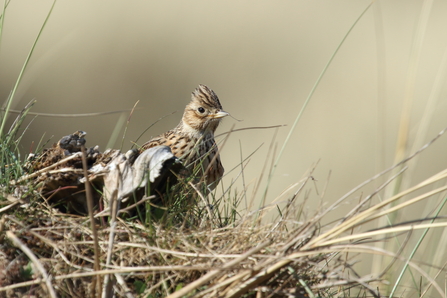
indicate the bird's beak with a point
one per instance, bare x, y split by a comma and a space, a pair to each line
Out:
219, 114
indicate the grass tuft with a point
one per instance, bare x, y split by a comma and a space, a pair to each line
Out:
205, 246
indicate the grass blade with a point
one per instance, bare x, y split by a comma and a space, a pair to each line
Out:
22, 71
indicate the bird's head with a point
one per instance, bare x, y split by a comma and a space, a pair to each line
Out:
204, 112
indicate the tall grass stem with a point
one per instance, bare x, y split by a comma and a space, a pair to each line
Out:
22, 71
312, 91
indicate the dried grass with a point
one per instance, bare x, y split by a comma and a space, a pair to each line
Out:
206, 261
198, 251
202, 246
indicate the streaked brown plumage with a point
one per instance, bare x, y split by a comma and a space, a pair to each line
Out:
193, 138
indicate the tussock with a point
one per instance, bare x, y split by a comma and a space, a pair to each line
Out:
201, 248
207, 261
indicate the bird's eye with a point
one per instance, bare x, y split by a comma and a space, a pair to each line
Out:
201, 110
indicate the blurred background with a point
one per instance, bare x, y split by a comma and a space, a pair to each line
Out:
262, 58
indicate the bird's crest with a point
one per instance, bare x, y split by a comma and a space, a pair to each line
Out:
206, 96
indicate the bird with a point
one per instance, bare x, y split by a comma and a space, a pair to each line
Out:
192, 140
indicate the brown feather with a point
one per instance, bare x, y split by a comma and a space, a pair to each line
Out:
192, 140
